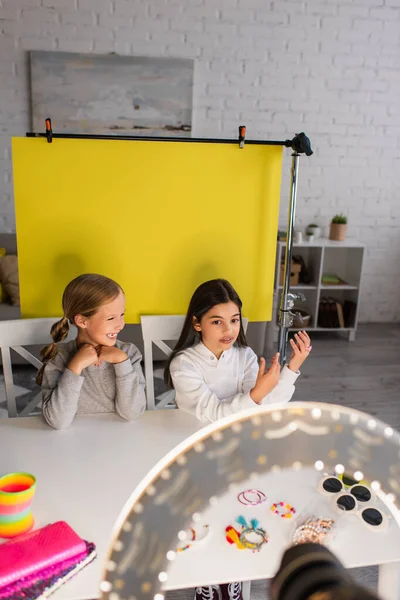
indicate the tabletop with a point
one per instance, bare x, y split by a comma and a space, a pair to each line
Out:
86, 473
214, 560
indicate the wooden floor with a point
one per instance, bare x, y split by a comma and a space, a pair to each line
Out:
364, 374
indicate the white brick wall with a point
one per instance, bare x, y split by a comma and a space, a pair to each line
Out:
328, 67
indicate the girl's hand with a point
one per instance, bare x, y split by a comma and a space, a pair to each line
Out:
111, 354
266, 380
301, 349
86, 356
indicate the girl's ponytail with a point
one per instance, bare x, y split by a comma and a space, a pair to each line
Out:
58, 332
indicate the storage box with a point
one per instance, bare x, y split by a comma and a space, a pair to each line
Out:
294, 274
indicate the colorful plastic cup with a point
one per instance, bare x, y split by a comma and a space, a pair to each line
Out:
16, 494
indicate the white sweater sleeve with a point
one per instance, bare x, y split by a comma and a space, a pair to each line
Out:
284, 391
195, 397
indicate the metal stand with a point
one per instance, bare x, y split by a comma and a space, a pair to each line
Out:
288, 298
299, 144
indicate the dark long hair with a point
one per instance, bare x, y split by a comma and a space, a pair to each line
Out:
208, 294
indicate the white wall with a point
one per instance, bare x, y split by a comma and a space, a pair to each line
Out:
330, 68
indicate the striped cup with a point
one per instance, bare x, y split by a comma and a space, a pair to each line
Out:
16, 495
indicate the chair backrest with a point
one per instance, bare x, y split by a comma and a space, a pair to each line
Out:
155, 330
15, 335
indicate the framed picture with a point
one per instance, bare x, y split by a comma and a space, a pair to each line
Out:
111, 94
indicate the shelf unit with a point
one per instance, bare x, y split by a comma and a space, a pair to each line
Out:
324, 257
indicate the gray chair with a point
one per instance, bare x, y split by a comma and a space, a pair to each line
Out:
14, 335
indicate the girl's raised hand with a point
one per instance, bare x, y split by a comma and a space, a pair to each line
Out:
266, 379
86, 356
301, 346
111, 354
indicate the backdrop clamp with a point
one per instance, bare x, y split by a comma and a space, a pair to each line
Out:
49, 131
242, 135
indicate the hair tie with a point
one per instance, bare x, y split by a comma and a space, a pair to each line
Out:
256, 497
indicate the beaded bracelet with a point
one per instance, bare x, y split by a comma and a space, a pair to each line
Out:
312, 530
252, 545
242, 539
283, 509
194, 538
307, 533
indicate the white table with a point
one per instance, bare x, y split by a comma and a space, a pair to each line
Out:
86, 473
214, 560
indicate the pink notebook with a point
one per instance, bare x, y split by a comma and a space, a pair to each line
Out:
37, 550
41, 584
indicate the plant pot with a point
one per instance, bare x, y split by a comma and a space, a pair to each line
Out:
310, 238
298, 237
338, 232
316, 231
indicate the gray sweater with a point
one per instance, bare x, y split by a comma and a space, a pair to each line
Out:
108, 388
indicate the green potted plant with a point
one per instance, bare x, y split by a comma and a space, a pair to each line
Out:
314, 229
338, 228
310, 237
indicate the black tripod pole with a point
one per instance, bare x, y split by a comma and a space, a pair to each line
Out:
300, 144
287, 298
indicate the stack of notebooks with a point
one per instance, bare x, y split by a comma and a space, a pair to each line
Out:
35, 564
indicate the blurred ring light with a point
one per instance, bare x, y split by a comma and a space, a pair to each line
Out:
199, 470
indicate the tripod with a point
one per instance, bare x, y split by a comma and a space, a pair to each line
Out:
300, 144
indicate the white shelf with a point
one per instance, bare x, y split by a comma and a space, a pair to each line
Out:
312, 328
338, 287
322, 287
300, 287
325, 243
325, 257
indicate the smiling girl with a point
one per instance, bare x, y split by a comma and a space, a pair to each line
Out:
95, 373
213, 370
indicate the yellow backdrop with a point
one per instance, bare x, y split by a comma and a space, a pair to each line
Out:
158, 217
